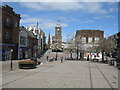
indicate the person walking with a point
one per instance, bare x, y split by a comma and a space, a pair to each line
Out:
88, 58
47, 57
61, 59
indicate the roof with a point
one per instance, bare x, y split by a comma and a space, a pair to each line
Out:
88, 30
31, 34
10, 10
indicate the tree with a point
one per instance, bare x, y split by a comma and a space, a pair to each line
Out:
70, 42
107, 46
80, 48
71, 48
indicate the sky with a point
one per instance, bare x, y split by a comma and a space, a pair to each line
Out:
73, 16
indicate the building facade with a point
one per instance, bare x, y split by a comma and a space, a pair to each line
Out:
32, 44
88, 38
41, 39
57, 39
10, 33
23, 39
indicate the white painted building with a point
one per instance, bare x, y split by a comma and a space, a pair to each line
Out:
40, 36
23, 37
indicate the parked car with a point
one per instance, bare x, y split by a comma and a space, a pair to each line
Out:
29, 63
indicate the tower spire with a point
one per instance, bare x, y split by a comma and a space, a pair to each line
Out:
59, 19
58, 22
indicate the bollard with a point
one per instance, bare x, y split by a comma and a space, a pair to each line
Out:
115, 63
110, 63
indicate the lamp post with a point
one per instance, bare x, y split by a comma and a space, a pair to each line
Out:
56, 54
56, 51
11, 59
77, 49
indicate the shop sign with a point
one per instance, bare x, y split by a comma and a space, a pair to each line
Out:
8, 44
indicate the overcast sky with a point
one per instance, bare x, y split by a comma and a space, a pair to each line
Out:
73, 15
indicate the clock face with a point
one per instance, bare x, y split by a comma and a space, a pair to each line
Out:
58, 29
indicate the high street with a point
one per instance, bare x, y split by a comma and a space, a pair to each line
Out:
69, 74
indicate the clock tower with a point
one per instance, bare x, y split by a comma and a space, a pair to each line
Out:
57, 39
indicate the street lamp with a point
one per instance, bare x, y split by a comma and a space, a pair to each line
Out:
11, 59
56, 51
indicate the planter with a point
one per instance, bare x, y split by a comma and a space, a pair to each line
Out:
27, 64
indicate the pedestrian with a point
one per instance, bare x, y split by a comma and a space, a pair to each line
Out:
88, 58
47, 58
61, 59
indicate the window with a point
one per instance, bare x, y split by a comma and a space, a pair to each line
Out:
16, 23
15, 38
96, 39
90, 39
7, 35
83, 39
7, 21
22, 40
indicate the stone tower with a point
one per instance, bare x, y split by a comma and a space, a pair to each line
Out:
57, 39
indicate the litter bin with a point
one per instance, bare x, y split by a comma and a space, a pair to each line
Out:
109, 62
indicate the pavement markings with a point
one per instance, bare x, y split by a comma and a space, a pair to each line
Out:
70, 74
91, 84
105, 77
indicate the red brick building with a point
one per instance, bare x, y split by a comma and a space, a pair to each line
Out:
89, 37
10, 33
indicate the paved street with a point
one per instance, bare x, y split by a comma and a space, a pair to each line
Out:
70, 74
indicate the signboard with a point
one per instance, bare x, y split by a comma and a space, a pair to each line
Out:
8, 44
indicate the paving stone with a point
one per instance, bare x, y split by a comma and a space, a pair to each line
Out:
70, 74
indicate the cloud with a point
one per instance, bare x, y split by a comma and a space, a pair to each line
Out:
60, 0
78, 20
24, 15
102, 17
49, 6
108, 16
43, 23
88, 21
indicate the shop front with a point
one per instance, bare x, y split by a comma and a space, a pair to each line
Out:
9, 51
